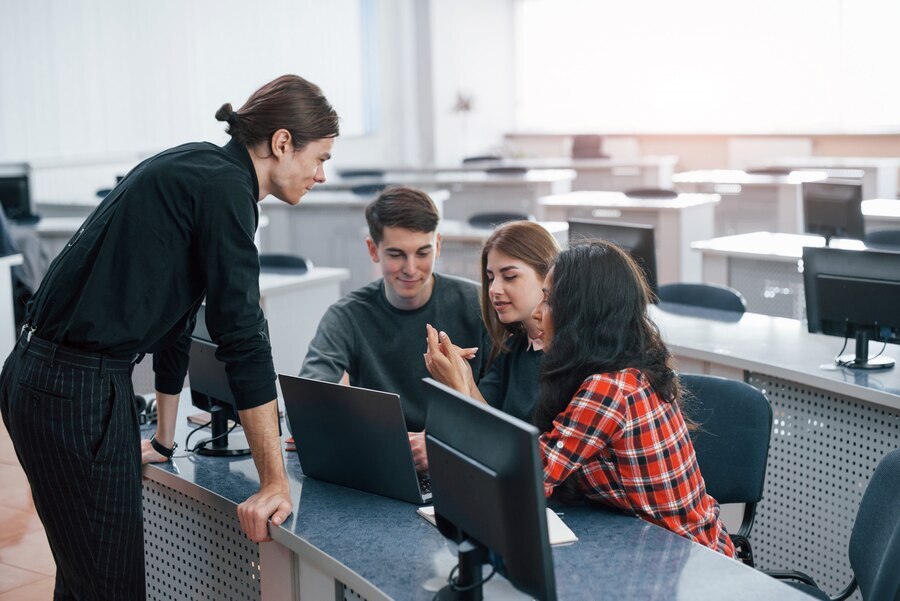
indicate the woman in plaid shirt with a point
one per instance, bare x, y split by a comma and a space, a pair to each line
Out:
609, 405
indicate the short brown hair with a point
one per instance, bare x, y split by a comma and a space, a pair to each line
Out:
401, 206
526, 241
289, 102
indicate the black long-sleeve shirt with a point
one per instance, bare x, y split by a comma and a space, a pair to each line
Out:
179, 227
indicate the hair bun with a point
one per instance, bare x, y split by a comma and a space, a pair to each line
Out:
225, 112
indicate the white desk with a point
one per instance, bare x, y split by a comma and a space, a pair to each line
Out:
677, 222
764, 267
750, 202
881, 214
461, 246
475, 191
878, 174
329, 229
293, 306
7, 313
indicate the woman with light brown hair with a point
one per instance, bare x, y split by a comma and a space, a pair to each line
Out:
514, 261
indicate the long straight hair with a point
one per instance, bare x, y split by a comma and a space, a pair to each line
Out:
598, 307
524, 241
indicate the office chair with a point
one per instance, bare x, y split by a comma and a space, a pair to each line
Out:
351, 173
734, 423
708, 296
506, 170
588, 146
874, 543
492, 220
651, 193
275, 263
883, 240
769, 171
486, 158
368, 189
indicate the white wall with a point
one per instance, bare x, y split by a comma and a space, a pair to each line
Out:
473, 53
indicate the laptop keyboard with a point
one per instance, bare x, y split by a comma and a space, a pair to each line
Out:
424, 483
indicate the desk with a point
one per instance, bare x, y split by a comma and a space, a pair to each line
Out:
830, 428
881, 214
764, 267
293, 306
677, 222
329, 229
7, 312
461, 246
878, 174
752, 203
344, 544
475, 191
591, 174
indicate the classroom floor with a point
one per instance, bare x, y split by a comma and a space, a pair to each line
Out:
26, 565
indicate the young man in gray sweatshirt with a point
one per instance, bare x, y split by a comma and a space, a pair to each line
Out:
376, 334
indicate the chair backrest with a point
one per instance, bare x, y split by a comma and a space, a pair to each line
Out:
368, 189
769, 171
508, 170
875, 542
734, 423
485, 158
351, 173
708, 296
587, 146
492, 220
651, 193
884, 239
283, 263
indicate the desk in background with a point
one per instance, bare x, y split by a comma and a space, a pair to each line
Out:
881, 214
677, 223
345, 544
7, 312
831, 427
474, 191
751, 203
878, 174
461, 246
764, 267
293, 306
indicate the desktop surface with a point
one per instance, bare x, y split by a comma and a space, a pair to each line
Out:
382, 544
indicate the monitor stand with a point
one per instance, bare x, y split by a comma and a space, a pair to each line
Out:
862, 350
471, 557
218, 445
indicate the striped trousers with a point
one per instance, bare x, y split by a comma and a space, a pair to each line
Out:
73, 423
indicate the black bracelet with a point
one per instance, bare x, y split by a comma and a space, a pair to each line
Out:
164, 451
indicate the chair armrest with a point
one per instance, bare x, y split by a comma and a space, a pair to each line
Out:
790, 575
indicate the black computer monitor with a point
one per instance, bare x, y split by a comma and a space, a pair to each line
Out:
487, 485
636, 238
854, 294
211, 392
833, 208
15, 197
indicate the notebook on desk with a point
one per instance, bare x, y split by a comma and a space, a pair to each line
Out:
353, 437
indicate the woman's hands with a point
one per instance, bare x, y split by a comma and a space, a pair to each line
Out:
448, 363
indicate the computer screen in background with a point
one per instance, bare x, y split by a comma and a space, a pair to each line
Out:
833, 209
637, 239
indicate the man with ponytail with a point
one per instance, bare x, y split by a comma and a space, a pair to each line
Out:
176, 230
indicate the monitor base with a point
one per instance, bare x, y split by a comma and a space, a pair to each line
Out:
849, 360
232, 445
471, 557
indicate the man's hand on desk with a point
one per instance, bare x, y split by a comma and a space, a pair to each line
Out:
417, 444
270, 502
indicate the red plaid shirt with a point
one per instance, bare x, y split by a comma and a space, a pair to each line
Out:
626, 447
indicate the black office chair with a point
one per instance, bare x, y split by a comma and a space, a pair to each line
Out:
734, 423
708, 296
351, 173
485, 158
769, 171
506, 170
874, 544
492, 220
368, 189
651, 193
276, 263
883, 240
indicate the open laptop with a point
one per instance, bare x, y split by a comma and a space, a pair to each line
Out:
354, 437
